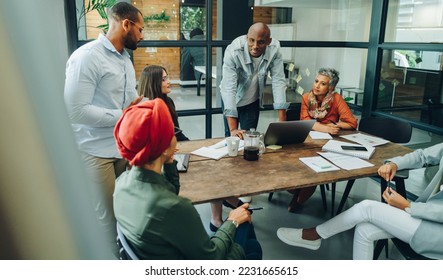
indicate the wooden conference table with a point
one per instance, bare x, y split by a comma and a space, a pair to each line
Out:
276, 170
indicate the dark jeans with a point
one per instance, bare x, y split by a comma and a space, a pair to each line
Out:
245, 237
247, 117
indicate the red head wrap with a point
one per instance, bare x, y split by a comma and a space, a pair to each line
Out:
144, 131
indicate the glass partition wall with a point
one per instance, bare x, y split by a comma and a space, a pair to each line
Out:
410, 73
384, 50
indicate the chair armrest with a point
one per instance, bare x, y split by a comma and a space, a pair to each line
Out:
402, 174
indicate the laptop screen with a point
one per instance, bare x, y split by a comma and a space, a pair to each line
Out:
289, 132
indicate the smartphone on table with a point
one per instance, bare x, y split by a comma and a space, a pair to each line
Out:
353, 148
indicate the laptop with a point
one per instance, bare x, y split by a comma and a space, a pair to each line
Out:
289, 132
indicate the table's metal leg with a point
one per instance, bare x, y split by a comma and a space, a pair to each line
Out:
332, 199
345, 195
198, 83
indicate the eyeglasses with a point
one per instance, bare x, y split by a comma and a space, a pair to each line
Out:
165, 78
140, 28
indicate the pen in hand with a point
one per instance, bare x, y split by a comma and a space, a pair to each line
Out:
389, 188
250, 209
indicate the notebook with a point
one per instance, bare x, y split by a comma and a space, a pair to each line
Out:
345, 161
289, 132
335, 146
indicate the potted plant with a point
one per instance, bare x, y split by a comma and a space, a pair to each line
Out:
94, 5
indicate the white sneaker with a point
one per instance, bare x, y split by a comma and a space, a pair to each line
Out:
292, 236
246, 199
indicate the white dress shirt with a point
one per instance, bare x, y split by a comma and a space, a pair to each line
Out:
100, 83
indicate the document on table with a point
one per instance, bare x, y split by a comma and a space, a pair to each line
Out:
217, 150
365, 140
344, 161
319, 135
336, 147
319, 164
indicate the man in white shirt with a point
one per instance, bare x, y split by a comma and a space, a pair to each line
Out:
100, 84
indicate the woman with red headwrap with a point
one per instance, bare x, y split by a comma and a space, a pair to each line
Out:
157, 222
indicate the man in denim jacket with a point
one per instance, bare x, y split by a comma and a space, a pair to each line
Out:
246, 64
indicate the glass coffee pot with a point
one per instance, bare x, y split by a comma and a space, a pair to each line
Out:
254, 145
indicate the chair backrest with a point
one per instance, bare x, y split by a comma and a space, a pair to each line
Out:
394, 130
125, 249
293, 114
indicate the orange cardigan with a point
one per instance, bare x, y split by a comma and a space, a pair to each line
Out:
339, 111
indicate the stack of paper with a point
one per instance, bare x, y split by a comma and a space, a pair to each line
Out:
344, 161
217, 150
335, 146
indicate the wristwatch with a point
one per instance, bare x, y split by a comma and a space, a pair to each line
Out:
235, 223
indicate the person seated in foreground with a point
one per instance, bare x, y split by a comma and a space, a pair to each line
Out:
156, 221
332, 113
418, 223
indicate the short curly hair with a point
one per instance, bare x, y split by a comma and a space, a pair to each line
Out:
331, 73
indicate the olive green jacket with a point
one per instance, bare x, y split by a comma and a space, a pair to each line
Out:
159, 224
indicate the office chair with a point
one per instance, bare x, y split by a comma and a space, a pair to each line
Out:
293, 114
394, 130
125, 249
405, 250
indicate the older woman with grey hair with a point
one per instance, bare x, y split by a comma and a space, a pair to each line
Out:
331, 113
326, 106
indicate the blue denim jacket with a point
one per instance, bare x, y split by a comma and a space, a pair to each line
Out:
237, 75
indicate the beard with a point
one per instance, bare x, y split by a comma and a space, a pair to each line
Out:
130, 43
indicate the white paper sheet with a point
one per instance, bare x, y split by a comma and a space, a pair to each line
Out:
319, 164
335, 146
344, 161
365, 140
217, 150
319, 135
210, 152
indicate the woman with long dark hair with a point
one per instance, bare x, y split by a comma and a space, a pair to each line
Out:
154, 83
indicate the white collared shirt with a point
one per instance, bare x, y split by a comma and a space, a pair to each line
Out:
100, 83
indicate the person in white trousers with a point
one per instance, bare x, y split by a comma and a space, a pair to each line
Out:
418, 223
